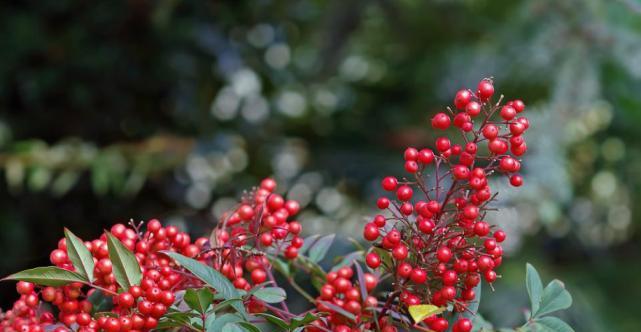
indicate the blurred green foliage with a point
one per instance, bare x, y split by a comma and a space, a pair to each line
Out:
140, 109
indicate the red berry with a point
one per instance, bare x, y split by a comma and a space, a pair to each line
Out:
473, 109
418, 276
441, 121
444, 254
370, 232
462, 98
373, 260
400, 252
389, 183
404, 193
485, 89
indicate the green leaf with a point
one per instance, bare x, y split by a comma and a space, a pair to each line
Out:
213, 278
47, 276
79, 255
480, 324
198, 299
386, 259
271, 294
421, 311
339, 310
550, 324
233, 327
297, 322
308, 243
100, 302
217, 324
224, 304
280, 266
274, 320
247, 326
125, 266
534, 286
174, 319
318, 251
555, 297
348, 260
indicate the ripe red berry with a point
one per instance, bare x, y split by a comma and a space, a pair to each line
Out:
442, 144
462, 325
404, 270
404, 193
462, 98
373, 260
444, 254
473, 108
400, 252
24, 288
410, 154
485, 89
518, 105
371, 232
389, 183
418, 276
441, 121
516, 180
425, 156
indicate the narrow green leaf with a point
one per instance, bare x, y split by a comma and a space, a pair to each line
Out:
199, 299
274, 320
318, 251
247, 326
233, 327
47, 276
339, 310
271, 294
550, 324
361, 281
221, 321
125, 266
555, 297
348, 260
297, 322
308, 243
534, 287
224, 304
79, 255
213, 278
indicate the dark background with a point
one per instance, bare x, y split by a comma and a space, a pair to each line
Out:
140, 109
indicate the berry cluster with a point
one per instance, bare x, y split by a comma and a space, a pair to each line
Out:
340, 291
433, 230
260, 224
430, 241
138, 308
263, 221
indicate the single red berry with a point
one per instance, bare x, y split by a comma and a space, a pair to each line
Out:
462, 98
404, 270
485, 89
389, 183
404, 193
400, 252
441, 121
473, 109
444, 254
373, 260
371, 232
418, 276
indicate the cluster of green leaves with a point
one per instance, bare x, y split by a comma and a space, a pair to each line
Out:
544, 301
218, 306
125, 266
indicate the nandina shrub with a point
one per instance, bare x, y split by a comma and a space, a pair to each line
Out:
430, 249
